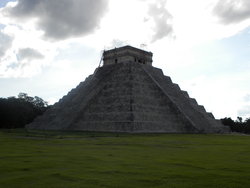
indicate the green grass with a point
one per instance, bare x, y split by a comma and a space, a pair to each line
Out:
76, 159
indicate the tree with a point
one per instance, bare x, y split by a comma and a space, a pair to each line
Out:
238, 125
25, 97
39, 102
247, 124
227, 121
17, 112
239, 119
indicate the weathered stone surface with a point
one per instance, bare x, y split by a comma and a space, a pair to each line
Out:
125, 54
128, 97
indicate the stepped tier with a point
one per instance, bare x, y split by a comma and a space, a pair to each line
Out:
128, 97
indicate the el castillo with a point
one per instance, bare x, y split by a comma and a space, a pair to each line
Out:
128, 94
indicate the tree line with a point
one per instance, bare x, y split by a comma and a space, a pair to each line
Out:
238, 125
16, 112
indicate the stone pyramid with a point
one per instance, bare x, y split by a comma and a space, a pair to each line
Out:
128, 94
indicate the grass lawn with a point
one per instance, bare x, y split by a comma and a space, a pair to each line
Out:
77, 159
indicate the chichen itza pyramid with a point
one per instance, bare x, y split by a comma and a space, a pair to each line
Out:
128, 94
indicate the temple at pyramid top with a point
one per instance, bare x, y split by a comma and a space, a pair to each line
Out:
127, 54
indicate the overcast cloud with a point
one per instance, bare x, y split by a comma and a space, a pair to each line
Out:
29, 54
61, 19
247, 98
232, 11
162, 20
244, 111
5, 43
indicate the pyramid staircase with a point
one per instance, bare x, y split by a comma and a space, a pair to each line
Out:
128, 97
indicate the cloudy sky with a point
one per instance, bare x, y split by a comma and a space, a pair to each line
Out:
48, 47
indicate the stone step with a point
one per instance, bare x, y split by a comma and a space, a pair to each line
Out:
111, 116
128, 99
125, 78
128, 107
167, 79
193, 101
136, 126
177, 87
210, 114
147, 116
116, 92
185, 93
134, 86
131, 115
95, 108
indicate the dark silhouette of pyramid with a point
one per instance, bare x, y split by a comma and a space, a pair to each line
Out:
128, 94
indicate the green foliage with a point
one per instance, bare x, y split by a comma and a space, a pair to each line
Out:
36, 101
237, 126
17, 112
59, 159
